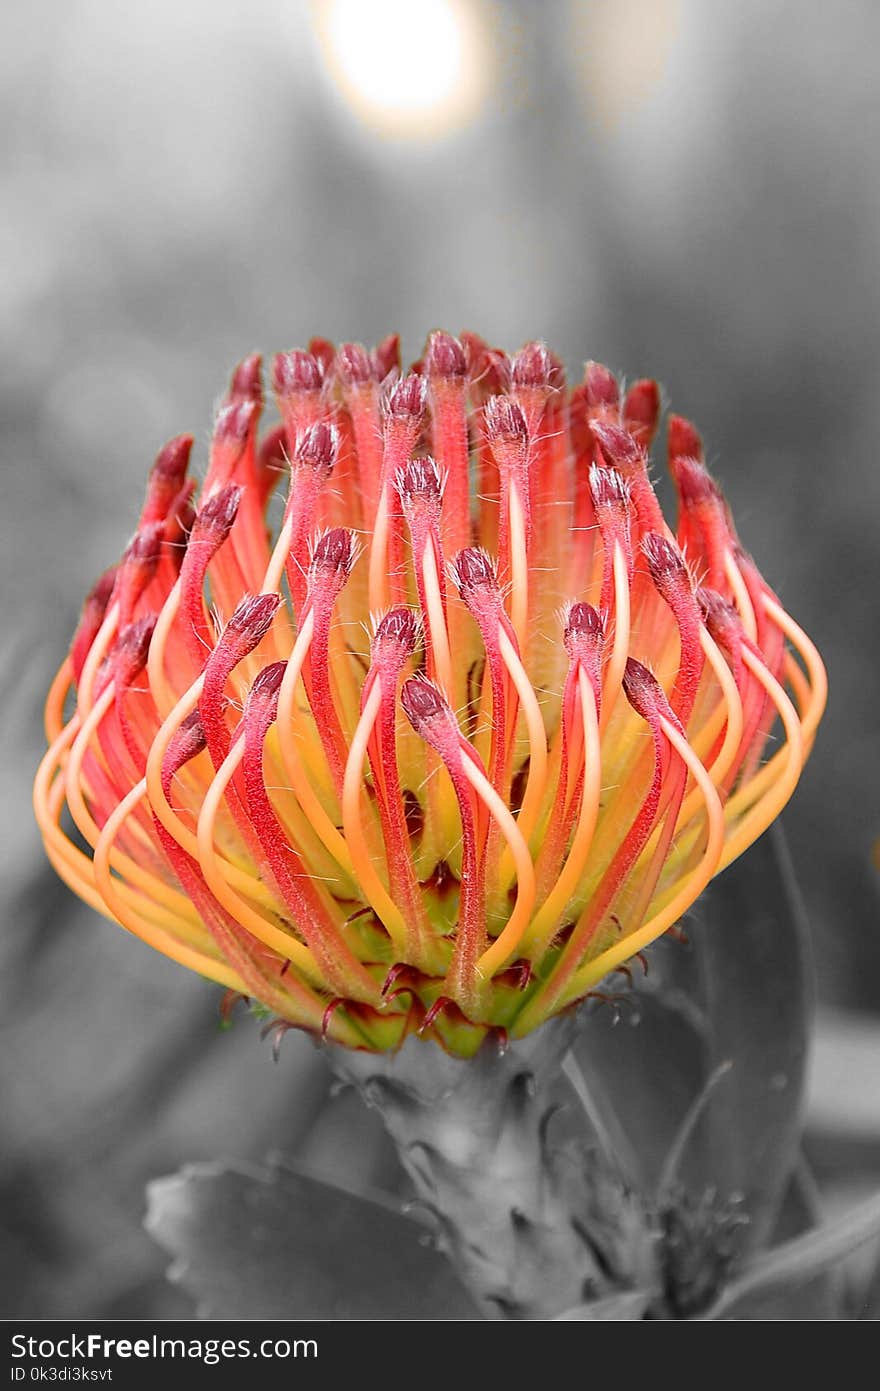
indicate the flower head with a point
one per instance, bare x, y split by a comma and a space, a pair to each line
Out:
469, 731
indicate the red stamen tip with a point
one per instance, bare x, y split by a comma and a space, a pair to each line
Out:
187, 741
399, 627
353, 365
684, 439
617, 444
234, 421
172, 461
296, 371
584, 631
265, 687
143, 549
609, 489
644, 692
318, 447
505, 421
334, 555
472, 569
253, 617
93, 611
247, 380
694, 483
407, 399
420, 481
217, 515
600, 386
532, 366
130, 656
445, 357
641, 409
424, 703
721, 618
665, 560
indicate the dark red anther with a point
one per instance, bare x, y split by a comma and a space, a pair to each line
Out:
683, 439
244, 632
722, 620
423, 702
673, 583
420, 481
264, 689
398, 629
132, 649
618, 447
694, 483
473, 569
407, 399
234, 421
317, 448
641, 411
247, 380
353, 365
138, 567
610, 492
445, 357
250, 622
187, 741
294, 372
505, 421
532, 367
644, 693
93, 613
584, 632
333, 556
167, 478
213, 522
600, 388
665, 562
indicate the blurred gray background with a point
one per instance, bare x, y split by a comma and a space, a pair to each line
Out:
680, 188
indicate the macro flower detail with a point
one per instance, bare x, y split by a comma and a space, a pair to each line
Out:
458, 736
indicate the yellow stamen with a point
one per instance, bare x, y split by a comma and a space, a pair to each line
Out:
620, 649
97, 652
437, 622
591, 973
55, 701
508, 940
371, 886
546, 922
741, 595
161, 807
787, 765
812, 661
267, 932
537, 777
164, 698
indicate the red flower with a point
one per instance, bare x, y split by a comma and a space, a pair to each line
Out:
551, 739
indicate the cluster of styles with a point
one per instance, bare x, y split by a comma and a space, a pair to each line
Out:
461, 734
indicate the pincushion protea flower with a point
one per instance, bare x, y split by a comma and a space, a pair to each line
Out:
470, 733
